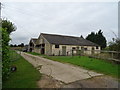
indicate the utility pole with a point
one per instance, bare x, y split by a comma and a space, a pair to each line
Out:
0, 9
0, 15
0, 50
119, 19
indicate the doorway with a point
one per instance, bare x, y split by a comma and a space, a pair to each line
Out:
30, 49
64, 50
42, 50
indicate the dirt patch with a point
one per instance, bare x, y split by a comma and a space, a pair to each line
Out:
95, 82
49, 82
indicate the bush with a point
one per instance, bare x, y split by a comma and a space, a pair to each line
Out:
5, 54
7, 28
115, 45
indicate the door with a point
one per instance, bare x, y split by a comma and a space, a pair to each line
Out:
63, 50
42, 51
92, 50
30, 49
42, 48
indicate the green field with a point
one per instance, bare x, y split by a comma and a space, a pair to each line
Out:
97, 65
26, 75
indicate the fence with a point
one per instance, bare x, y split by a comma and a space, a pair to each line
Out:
101, 54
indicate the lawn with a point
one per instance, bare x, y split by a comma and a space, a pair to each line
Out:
26, 75
37, 54
33, 53
97, 65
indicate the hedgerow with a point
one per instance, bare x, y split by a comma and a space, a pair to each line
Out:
7, 28
5, 54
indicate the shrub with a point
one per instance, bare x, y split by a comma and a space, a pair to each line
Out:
5, 54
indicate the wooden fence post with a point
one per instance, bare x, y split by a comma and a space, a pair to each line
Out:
112, 55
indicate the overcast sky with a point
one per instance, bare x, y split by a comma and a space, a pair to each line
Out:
66, 18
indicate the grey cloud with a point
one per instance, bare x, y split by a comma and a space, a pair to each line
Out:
61, 18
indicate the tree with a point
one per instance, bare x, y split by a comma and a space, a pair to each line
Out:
97, 38
11, 45
114, 45
21, 45
91, 37
81, 36
9, 26
15, 45
100, 39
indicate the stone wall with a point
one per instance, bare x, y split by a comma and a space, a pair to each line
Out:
58, 51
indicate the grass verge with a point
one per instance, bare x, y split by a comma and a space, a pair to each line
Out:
26, 75
37, 54
97, 65
91, 64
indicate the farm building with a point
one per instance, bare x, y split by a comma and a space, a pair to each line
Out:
32, 44
52, 44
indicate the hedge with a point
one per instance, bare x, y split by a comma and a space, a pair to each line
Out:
5, 54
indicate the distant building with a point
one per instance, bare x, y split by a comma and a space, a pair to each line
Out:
25, 48
52, 44
32, 44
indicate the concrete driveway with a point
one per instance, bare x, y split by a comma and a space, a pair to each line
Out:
65, 73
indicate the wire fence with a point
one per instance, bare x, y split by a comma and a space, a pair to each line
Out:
100, 54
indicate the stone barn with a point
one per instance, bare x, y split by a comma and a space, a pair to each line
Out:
52, 44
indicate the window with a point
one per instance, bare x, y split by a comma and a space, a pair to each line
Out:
92, 48
73, 47
85, 48
77, 48
31, 44
96, 47
56, 46
37, 46
82, 48
43, 45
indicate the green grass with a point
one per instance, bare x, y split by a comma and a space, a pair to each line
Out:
34, 53
97, 65
37, 54
26, 75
